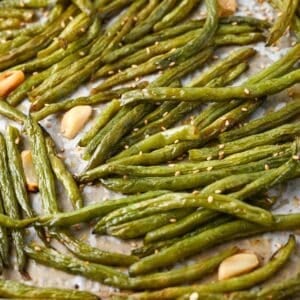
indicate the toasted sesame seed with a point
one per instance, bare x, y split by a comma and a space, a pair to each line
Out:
177, 173
210, 199
246, 91
209, 168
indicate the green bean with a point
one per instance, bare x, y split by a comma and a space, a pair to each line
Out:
283, 21
109, 111
227, 35
102, 152
269, 121
79, 72
10, 204
97, 272
86, 6
178, 14
71, 32
94, 210
150, 67
145, 26
270, 179
30, 49
174, 32
177, 183
16, 170
221, 203
247, 91
193, 245
232, 182
91, 254
11, 113
183, 108
90, 100
58, 84
198, 217
279, 290
222, 66
20, 93
198, 43
148, 40
10, 23
64, 176
122, 166
214, 222
42, 166
18, 176
161, 139
140, 227
181, 275
45, 62
279, 259
113, 7
273, 136
20, 13
10, 44
146, 11
150, 248
36, 28
159, 111
258, 23
96, 140
24, 4
17, 290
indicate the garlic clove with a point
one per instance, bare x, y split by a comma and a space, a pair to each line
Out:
237, 264
227, 7
30, 175
74, 120
10, 80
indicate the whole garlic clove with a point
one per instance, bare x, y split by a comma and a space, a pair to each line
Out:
227, 7
237, 264
74, 120
30, 175
10, 80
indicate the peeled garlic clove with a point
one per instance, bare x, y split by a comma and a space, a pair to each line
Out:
227, 7
74, 120
10, 80
237, 264
30, 175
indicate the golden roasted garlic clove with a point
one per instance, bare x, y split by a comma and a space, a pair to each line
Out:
74, 120
227, 7
237, 264
30, 175
10, 80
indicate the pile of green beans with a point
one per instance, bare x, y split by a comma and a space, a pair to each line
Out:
192, 161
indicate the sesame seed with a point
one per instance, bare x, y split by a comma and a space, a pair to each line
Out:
221, 146
244, 109
296, 157
267, 167
210, 199
209, 158
218, 191
246, 91
172, 220
177, 173
209, 168
194, 296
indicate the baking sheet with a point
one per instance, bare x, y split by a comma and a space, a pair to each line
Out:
263, 245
